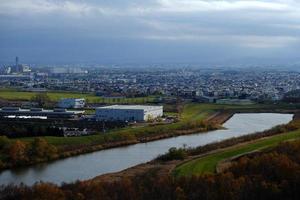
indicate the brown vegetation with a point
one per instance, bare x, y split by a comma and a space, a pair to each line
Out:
20, 153
274, 174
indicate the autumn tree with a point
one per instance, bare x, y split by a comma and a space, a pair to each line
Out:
18, 153
47, 191
41, 149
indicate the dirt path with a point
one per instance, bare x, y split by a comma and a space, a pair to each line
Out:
220, 117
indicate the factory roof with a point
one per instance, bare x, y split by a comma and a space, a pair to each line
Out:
39, 110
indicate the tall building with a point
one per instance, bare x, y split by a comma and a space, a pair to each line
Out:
19, 68
17, 61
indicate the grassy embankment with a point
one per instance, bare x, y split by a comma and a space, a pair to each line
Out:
11, 94
207, 164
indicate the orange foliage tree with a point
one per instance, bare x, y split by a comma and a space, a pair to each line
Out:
18, 153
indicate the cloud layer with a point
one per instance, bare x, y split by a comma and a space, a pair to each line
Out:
228, 29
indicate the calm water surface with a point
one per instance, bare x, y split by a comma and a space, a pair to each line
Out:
112, 160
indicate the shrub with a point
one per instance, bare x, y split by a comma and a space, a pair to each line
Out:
173, 154
41, 150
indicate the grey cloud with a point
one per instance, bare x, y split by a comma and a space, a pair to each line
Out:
147, 30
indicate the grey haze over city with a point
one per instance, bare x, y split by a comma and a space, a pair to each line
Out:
151, 31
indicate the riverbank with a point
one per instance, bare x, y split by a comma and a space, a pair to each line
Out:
249, 178
87, 166
269, 137
195, 118
216, 160
67, 147
191, 121
83, 149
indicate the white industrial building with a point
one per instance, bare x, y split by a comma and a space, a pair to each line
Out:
71, 103
128, 112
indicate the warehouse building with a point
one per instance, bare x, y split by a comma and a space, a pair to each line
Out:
71, 103
128, 113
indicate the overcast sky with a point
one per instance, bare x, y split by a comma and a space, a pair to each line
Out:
156, 31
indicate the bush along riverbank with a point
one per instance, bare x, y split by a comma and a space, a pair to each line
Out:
19, 153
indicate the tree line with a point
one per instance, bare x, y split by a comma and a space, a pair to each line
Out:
19, 153
16, 128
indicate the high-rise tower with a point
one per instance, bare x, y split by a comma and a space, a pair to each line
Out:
17, 61
17, 67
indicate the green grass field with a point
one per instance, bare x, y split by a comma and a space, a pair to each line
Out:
197, 111
10, 94
208, 163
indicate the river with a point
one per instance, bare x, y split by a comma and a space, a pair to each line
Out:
89, 165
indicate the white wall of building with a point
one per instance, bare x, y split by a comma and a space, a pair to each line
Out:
153, 112
128, 112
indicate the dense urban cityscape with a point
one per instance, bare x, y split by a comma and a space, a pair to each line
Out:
202, 84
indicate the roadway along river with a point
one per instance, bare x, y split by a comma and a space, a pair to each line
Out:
112, 160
